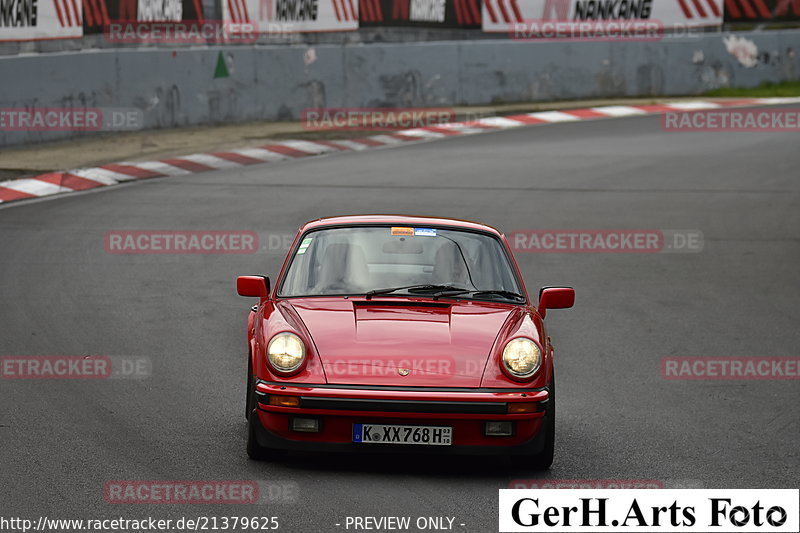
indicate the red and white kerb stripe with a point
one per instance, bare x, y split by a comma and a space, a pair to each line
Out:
112, 174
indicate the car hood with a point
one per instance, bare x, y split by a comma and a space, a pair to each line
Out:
402, 342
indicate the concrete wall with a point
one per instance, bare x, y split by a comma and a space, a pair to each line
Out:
177, 87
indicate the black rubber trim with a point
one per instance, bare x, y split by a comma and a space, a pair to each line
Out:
403, 406
395, 388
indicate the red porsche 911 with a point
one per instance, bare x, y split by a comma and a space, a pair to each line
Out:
391, 333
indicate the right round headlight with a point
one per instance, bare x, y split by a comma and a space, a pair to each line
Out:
522, 357
286, 352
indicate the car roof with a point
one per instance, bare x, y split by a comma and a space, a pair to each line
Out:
405, 220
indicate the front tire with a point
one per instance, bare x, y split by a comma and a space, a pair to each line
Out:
256, 451
544, 459
249, 404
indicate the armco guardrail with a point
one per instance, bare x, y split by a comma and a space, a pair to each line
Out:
174, 88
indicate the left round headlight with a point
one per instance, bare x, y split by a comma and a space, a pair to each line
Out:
286, 352
522, 357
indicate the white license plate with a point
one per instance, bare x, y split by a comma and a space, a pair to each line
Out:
392, 434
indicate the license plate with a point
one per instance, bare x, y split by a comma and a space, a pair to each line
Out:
392, 434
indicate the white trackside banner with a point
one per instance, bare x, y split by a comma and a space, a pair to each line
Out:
29, 20
290, 16
647, 510
500, 15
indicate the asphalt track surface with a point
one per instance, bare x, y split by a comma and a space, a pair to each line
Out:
62, 294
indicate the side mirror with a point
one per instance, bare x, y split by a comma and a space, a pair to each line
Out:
555, 298
257, 286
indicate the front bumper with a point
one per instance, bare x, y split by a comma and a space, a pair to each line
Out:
339, 407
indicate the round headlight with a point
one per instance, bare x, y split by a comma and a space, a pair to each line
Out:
522, 357
286, 352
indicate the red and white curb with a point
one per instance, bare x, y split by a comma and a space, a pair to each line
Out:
89, 178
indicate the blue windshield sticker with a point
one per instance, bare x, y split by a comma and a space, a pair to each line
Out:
425, 232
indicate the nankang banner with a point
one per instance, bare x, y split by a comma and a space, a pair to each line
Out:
421, 13
290, 16
30, 20
503, 15
101, 14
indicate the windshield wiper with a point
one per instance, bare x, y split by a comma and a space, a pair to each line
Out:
414, 288
504, 294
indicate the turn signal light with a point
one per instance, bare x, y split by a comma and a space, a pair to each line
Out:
284, 401
522, 407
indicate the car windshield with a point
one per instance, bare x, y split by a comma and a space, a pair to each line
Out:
401, 261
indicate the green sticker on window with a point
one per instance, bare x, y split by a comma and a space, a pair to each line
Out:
304, 245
